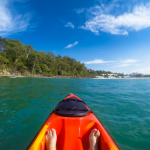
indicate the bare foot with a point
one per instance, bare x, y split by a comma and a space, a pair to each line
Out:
94, 139
51, 139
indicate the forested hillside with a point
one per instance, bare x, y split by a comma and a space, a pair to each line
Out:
25, 59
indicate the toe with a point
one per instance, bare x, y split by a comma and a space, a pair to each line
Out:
53, 132
93, 132
50, 133
46, 137
97, 134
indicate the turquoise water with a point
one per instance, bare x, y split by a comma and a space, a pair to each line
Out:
122, 106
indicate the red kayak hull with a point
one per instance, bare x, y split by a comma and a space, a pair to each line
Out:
73, 132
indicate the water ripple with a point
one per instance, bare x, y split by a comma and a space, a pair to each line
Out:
122, 106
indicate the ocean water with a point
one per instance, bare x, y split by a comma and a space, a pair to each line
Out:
122, 106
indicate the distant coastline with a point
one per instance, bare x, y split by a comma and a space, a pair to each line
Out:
123, 78
38, 76
61, 76
13, 74
18, 59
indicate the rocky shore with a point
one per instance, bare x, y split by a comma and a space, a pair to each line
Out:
10, 73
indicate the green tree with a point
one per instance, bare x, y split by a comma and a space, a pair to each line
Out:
16, 48
29, 49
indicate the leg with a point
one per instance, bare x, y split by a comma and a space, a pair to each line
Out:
94, 139
51, 139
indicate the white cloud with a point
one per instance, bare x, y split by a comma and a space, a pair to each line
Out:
98, 61
80, 10
72, 45
127, 62
130, 61
11, 23
69, 24
123, 65
103, 21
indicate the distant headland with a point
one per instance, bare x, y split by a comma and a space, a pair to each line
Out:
20, 60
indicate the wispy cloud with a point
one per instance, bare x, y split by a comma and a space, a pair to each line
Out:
72, 45
80, 10
12, 23
123, 65
127, 62
98, 61
130, 61
69, 24
135, 20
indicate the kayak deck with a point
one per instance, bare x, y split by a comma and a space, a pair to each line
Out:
73, 133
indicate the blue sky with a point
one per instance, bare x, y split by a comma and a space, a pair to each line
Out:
103, 34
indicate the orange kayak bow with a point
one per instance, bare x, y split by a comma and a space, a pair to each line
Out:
73, 122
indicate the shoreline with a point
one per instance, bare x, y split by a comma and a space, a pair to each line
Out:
122, 78
65, 77
40, 76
